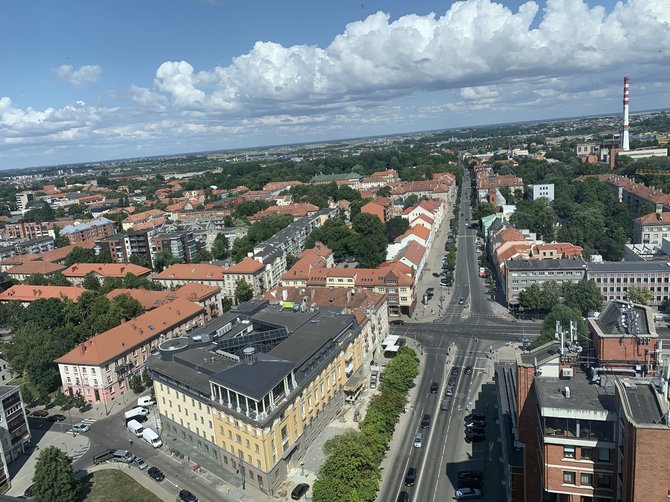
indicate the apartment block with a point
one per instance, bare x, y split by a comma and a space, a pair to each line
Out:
520, 274
249, 392
77, 273
248, 270
25, 246
614, 278
14, 431
185, 273
99, 368
88, 230
539, 191
181, 245
652, 228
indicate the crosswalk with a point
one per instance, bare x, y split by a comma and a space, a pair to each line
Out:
89, 421
80, 452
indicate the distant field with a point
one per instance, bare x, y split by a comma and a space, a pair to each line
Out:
114, 486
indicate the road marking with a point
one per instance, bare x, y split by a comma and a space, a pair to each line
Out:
89, 421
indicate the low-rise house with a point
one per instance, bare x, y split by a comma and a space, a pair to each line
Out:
652, 228
184, 273
77, 273
26, 293
23, 271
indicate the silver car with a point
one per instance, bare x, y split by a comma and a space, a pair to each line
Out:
81, 427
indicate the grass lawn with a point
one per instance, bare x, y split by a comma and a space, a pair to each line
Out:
112, 485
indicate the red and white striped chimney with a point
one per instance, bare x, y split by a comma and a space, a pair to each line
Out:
626, 96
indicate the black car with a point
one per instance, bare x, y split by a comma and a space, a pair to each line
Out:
299, 491
425, 421
403, 497
470, 475
468, 483
434, 387
474, 437
455, 370
474, 429
56, 418
468, 370
410, 477
435, 274
452, 380
474, 416
156, 474
398, 322
186, 496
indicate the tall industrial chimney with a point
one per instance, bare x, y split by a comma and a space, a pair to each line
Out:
626, 96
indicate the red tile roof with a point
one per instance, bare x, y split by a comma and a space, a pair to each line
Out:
35, 267
28, 293
118, 270
246, 266
192, 272
145, 215
112, 344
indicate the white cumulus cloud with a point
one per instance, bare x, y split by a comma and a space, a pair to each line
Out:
84, 75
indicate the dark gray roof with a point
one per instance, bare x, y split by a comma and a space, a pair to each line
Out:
642, 403
584, 396
628, 267
563, 264
6, 389
257, 379
542, 354
610, 320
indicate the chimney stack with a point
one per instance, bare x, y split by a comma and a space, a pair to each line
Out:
624, 136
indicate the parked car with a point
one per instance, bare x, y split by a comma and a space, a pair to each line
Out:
80, 427
410, 477
435, 274
449, 392
470, 474
40, 413
398, 322
434, 387
444, 405
452, 380
461, 301
299, 491
475, 429
455, 370
403, 497
186, 496
468, 370
468, 494
56, 418
474, 416
156, 474
430, 291
475, 424
474, 437
140, 464
425, 421
468, 483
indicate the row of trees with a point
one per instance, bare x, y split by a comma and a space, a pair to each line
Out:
48, 328
351, 469
321, 194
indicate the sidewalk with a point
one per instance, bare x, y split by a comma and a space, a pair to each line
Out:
22, 469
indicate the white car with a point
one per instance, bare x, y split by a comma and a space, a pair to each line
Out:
80, 427
468, 493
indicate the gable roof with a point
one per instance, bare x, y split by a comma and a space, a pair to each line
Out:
34, 267
192, 272
246, 266
28, 293
106, 270
110, 345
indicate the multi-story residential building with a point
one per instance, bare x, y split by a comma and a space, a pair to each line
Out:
520, 274
88, 230
181, 245
23, 200
26, 269
185, 273
140, 218
592, 413
615, 277
100, 367
381, 207
27, 246
14, 431
77, 273
351, 179
26, 293
318, 257
28, 230
634, 195
249, 392
538, 191
122, 246
248, 270
652, 228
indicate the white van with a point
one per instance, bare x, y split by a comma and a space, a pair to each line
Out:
136, 412
152, 438
145, 401
135, 427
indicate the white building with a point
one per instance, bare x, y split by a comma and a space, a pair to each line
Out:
545, 190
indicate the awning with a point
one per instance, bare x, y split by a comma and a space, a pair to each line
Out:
354, 383
392, 348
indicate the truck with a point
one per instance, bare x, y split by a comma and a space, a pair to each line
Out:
135, 427
138, 413
145, 401
152, 438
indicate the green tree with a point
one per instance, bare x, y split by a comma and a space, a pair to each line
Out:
202, 255
243, 291
91, 282
395, 227
483, 209
562, 314
139, 259
220, 247
136, 384
290, 261
384, 191
36, 280
163, 260
54, 478
146, 379
410, 200
60, 241
584, 296
80, 255
530, 298
58, 279
639, 294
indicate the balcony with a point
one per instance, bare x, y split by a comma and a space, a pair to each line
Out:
590, 430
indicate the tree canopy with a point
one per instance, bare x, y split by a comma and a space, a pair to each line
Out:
54, 477
639, 294
584, 296
243, 291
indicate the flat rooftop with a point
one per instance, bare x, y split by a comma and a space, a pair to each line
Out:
546, 264
629, 267
642, 403
584, 396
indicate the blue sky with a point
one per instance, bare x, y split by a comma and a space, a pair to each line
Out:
99, 80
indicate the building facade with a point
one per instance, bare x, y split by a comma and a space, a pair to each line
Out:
614, 278
15, 434
520, 274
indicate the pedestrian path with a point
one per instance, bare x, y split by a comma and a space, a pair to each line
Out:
89, 421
